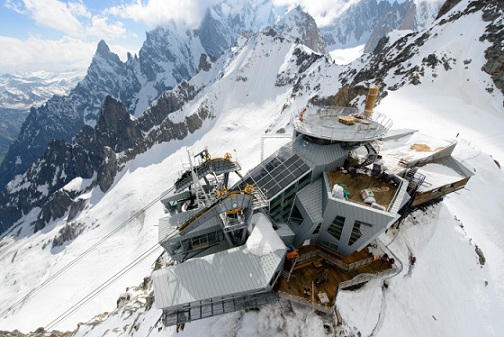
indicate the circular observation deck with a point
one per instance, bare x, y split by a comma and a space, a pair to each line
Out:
342, 124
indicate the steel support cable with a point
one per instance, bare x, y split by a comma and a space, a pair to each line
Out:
101, 288
86, 252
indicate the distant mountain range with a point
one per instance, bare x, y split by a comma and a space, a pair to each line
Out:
23, 90
366, 21
20, 91
168, 56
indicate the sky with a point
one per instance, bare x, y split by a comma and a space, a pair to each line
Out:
60, 35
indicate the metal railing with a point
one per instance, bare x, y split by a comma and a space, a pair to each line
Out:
377, 125
326, 256
301, 300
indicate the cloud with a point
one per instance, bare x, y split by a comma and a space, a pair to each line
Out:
57, 15
156, 13
71, 18
15, 6
189, 13
100, 28
35, 54
323, 11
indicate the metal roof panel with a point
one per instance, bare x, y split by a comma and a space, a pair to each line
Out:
219, 275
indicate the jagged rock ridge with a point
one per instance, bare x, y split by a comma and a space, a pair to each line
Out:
94, 149
366, 21
167, 57
94, 152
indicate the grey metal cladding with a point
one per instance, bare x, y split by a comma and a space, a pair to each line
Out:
311, 199
316, 155
225, 273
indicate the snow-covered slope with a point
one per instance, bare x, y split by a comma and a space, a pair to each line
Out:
245, 101
169, 55
254, 90
116, 131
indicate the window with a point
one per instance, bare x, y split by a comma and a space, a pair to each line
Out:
281, 205
317, 229
329, 245
200, 242
336, 227
304, 181
359, 229
296, 218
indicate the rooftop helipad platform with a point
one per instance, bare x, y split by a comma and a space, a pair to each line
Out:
340, 124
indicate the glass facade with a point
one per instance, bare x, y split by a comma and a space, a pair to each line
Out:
358, 230
336, 227
191, 244
296, 218
329, 245
281, 205
275, 173
317, 229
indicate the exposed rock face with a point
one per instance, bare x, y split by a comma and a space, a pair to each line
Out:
494, 14
108, 169
408, 15
40, 332
347, 94
10, 124
367, 21
355, 25
54, 208
302, 26
76, 206
204, 63
66, 234
400, 16
18, 92
216, 35
447, 6
116, 128
93, 151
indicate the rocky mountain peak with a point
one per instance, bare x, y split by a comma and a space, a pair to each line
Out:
399, 16
102, 48
115, 127
104, 62
300, 25
169, 56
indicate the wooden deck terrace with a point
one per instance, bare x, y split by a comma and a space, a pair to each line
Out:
383, 191
301, 286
